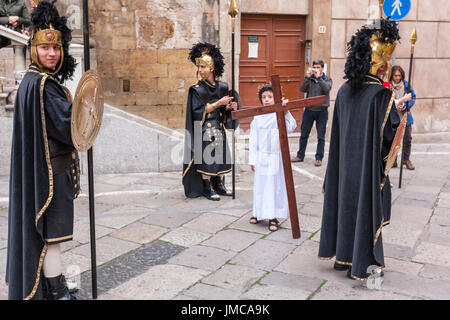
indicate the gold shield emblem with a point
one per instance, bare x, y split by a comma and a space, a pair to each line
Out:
87, 111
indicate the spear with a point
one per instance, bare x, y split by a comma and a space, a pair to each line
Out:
87, 66
233, 12
413, 39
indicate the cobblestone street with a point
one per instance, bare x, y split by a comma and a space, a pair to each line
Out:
153, 243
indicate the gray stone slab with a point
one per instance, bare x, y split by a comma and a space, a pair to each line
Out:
444, 195
442, 219
307, 223
410, 214
210, 222
304, 261
280, 279
264, 254
312, 209
185, 237
3, 290
81, 231
140, 233
3, 253
233, 240
435, 272
108, 248
234, 277
416, 287
202, 257
437, 234
272, 292
398, 251
335, 291
160, 282
402, 233
402, 266
169, 219
424, 200
119, 220
423, 189
433, 253
285, 235
443, 203
210, 292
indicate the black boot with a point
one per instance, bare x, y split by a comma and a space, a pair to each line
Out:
208, 192
57, 289
219, 186
340, 267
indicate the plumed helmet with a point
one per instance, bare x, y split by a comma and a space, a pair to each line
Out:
208, 55
369, 49
48, 27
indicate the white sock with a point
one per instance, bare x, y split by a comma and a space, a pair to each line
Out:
52, 261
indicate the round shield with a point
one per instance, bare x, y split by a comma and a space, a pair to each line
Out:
87, 111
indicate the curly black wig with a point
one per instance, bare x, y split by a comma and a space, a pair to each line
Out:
360, 52
41, 18
214, 52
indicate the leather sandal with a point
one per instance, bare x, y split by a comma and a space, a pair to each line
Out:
254, 220
273, 223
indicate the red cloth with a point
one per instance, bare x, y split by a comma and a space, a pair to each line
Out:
387, 84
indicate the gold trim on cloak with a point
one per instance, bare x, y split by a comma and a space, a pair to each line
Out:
50, 178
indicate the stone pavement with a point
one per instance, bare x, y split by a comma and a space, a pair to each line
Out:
153, 243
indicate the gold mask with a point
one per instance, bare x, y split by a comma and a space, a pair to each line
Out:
381, 54
205, 61
46, 36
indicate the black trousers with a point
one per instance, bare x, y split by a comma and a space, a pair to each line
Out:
321, 118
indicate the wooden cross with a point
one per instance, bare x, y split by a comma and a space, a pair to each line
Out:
284, 144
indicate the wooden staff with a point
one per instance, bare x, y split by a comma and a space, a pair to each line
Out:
408, 90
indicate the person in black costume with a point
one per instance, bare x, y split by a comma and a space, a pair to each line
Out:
44, 177
357, 193
206, 153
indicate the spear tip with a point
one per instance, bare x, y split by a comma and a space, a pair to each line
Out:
233, 11
414, 36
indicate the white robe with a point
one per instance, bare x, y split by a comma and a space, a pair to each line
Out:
269, 188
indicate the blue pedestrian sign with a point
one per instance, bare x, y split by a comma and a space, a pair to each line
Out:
396, 9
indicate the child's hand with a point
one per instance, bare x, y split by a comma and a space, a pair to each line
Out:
285, 101
252, 167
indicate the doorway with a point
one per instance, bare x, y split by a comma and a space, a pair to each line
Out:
271, 44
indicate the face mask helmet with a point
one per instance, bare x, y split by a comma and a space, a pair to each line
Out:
370, 49
48, 27
209, 56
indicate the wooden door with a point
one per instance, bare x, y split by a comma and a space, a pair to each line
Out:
271, 44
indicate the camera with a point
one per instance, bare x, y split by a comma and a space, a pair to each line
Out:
312, 70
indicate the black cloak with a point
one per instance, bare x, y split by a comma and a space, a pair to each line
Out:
40, 104
199, 95
357, 195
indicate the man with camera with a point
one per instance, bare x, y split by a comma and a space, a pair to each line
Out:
316, 83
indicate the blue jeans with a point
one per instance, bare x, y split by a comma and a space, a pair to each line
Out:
321, 118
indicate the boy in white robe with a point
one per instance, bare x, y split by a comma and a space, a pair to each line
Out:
269, 188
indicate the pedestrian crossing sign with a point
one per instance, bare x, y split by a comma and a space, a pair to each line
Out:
396, 9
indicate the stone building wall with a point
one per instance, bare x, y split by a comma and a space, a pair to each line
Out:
142, 48
431, 65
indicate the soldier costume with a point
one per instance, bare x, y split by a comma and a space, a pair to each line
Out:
357, 191
44, 176
206, 160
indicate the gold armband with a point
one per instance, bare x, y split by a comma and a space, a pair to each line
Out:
215, 105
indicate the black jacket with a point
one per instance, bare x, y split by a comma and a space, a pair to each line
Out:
317, 87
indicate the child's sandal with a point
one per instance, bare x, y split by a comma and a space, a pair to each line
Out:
273, 225
253, 220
